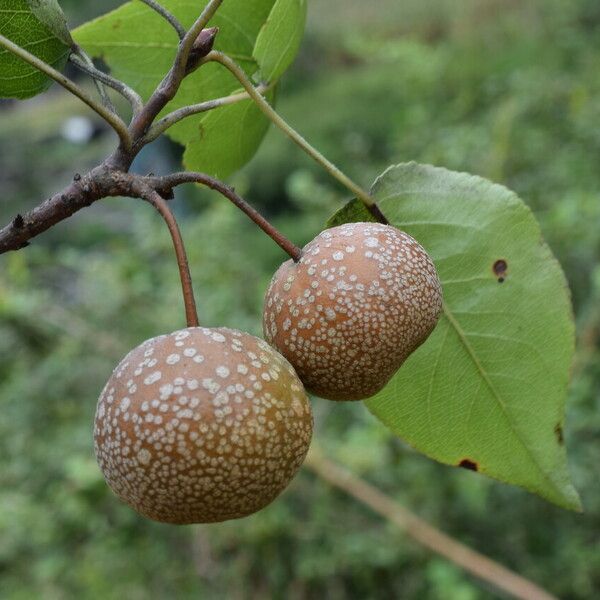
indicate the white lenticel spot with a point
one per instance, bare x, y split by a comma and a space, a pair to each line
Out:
222, 372
338, 256
165, 391
173, 359
144, 456
153, 378
189, 352
371, 242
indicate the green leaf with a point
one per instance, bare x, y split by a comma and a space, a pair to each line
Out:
139, 46
38, 26
280, 37
234, 132
487, 390
50, 14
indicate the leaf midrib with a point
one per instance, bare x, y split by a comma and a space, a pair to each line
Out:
471, 352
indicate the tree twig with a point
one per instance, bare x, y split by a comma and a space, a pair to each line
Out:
80, 59
169, 86
111, 118
187, 111
166, 184
103, 181
169, 17
128, 93
466, 558
276, 119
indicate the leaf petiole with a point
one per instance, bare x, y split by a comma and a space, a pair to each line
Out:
277, 120
167, 16
187, 111
82, 61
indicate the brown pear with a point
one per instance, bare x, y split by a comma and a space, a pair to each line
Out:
201, 425
361, 299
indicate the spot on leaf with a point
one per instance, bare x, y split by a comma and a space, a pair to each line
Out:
467, 463
558, 431
500, 267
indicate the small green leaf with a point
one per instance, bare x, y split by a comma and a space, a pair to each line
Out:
50, 14
487, 390
139, 46
228, 138
38, 26
279, 39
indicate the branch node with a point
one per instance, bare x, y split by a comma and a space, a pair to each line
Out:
77, 177
18, 222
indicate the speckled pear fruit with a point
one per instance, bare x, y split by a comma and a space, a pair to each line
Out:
202, 425
361, 299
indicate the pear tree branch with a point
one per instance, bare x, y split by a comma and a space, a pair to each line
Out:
421, 531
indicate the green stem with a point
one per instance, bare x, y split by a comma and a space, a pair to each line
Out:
111, 118
177, 115
277, 120
167, 16
80, 59
87, 66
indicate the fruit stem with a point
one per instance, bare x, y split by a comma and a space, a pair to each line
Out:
276, 119
163, 208
168, 182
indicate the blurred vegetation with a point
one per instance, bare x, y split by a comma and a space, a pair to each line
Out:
506, 89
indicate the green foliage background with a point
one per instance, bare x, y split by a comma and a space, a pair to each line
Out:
507, 90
